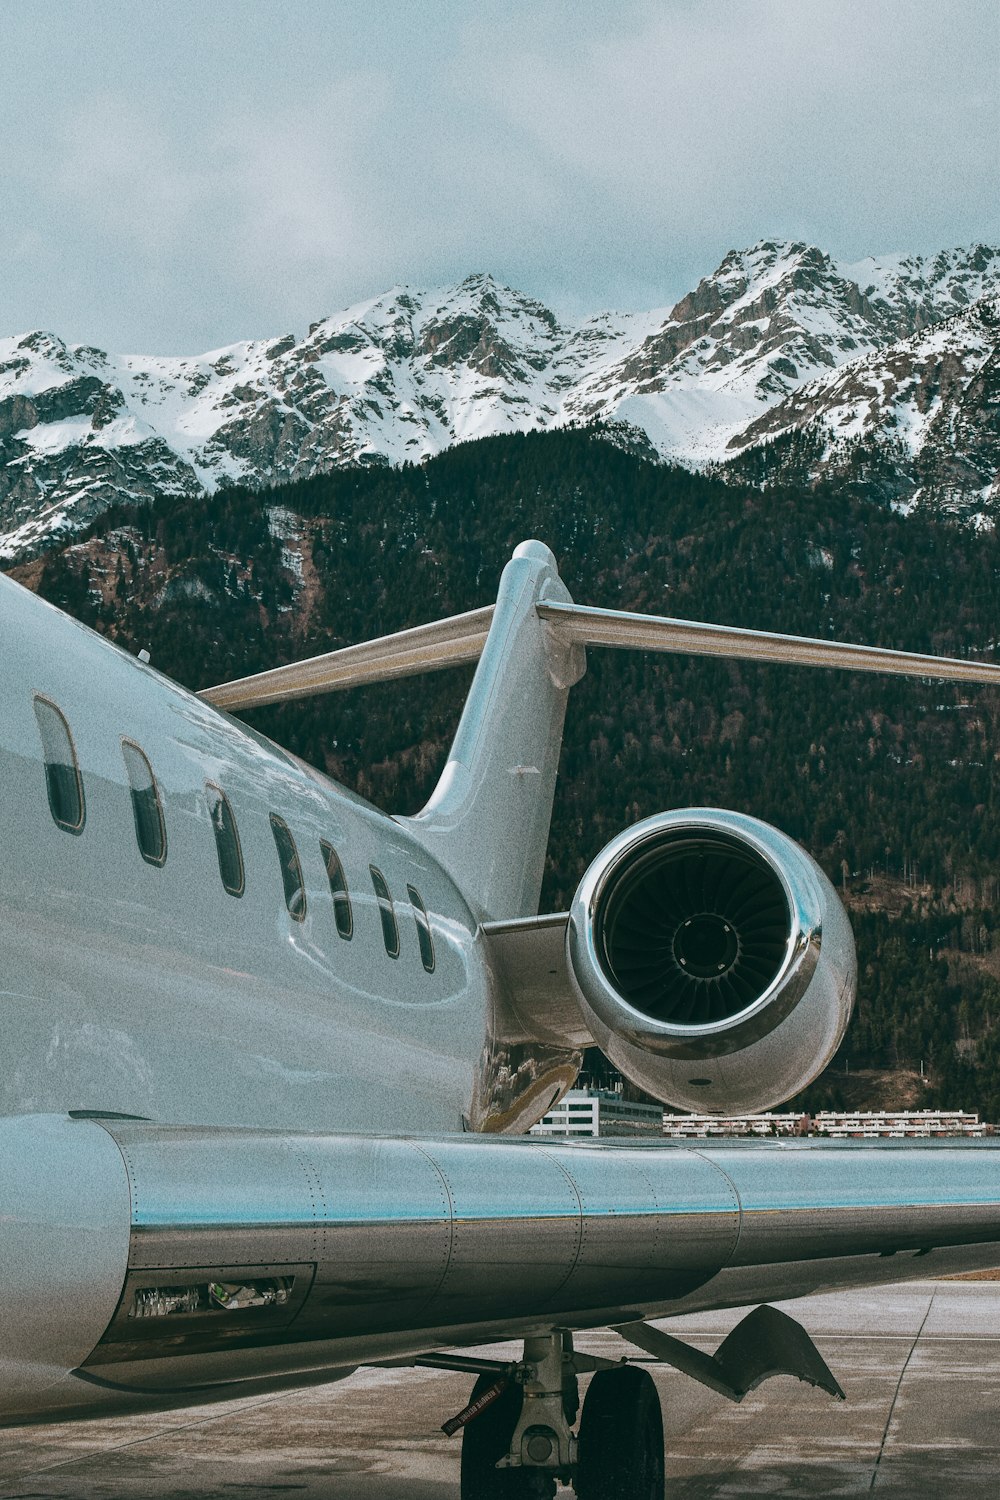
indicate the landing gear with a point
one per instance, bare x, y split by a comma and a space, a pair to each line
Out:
522, 1442
620, 1448
486, 1441
529, 1440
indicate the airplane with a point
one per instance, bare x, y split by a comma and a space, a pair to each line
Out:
269, 1055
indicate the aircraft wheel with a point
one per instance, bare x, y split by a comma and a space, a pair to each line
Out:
486, 1440
621, 1438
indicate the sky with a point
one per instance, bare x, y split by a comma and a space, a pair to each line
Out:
178, 176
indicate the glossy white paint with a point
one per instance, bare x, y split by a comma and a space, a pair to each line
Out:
151, 991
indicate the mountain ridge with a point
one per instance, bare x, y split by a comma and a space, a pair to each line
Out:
407, 373
915, 423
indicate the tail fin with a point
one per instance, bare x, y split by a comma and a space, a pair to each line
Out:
488, 819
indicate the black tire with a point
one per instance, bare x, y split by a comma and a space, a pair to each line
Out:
621, 1438
484, 1443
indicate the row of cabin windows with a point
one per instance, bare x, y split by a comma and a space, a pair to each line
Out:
67, 804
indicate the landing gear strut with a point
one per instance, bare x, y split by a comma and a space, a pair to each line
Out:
486, 1441
520, 1444
526, 1442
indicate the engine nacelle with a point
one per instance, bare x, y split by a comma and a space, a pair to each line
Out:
713, 959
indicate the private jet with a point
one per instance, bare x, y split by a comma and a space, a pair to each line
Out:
270, 1055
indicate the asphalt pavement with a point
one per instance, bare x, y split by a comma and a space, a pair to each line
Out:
920, 1364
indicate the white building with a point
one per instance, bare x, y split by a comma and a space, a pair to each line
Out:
900, 1124
600, 1112
700, 1127
835, 1124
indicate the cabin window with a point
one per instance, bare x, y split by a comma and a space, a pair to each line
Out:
342, 914
424, 938
291, 870
63, 781
147, 809
227, 840
390, 931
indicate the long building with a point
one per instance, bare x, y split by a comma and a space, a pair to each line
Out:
837, 1124
588, 1111
699, 1127
903, 1123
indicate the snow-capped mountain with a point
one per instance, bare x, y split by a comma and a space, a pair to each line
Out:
407, 373
918, 421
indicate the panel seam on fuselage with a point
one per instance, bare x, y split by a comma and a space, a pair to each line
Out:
737, 1201
449, 1198
581, 1219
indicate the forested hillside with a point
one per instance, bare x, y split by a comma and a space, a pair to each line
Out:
892, 784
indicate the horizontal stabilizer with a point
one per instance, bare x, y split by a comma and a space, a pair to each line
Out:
461, 638
767, 1342
445, 643
611, 627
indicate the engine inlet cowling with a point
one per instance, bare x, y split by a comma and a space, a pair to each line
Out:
695, 930
713, 960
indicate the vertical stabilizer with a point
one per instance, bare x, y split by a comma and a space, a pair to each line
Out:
488, 819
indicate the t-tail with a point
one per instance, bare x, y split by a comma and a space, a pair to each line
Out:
705, 953
488, 819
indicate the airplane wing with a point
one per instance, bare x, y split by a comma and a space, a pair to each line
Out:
182, 1256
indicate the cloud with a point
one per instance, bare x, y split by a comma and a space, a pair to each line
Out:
121, 170
200, 174
719, 116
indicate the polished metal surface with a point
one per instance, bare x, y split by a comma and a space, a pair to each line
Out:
518, 1081
389, 1247
410, 1234
528, 958
534, 1049
444, 643
612, 627
773, 1046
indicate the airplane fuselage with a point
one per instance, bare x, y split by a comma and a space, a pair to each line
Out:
150, 988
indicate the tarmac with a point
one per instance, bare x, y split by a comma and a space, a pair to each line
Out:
920, 1364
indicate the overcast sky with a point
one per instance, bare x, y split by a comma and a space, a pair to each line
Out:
178, 175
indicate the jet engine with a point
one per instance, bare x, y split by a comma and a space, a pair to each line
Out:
713, 960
